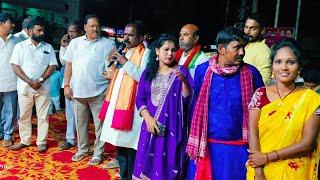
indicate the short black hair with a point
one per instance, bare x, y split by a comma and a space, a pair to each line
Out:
229, 34
4, 17
138, 24
257, 18
33, 22
89, 16
290, 43
76, 23
25, 22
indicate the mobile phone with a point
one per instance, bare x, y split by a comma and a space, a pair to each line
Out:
162, 129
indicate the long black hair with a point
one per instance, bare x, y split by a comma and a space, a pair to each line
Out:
153, 64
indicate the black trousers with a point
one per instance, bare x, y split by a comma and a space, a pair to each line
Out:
126, 157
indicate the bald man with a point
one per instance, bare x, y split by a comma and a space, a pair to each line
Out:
190, 54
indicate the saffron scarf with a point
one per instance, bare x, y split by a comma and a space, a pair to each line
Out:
197, 142
124, 110
191, 58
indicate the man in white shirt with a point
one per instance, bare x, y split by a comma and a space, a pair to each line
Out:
23, 34
74, 31
8, 80
86, 59
33, 61
190, 54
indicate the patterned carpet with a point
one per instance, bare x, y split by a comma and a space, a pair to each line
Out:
54, 164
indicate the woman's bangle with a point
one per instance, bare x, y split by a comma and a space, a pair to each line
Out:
267, 158
278, 156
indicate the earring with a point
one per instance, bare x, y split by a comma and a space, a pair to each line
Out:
272, 76
157, 58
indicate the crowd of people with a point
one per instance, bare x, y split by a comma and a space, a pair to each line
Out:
171, 110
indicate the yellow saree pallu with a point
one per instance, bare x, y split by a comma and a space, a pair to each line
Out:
281, 124
124, 110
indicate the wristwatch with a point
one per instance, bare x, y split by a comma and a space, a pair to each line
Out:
41, 80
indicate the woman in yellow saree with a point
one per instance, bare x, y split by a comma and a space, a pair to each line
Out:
284, 122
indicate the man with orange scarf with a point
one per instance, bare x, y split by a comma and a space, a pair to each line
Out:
122, 121
190, 54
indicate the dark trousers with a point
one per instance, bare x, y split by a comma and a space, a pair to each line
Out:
126, 157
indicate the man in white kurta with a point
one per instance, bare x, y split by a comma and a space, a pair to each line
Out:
126, 141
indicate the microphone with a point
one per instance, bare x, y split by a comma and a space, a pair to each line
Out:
120, 49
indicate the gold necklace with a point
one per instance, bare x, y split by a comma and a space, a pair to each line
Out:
282, 98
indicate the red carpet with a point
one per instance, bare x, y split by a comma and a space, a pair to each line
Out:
54, 164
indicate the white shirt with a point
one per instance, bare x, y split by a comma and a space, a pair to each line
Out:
22, 35
201, 59
62, 52
33, 60
88, 60
8, 78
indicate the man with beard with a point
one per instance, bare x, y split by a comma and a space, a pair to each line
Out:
122, 121
85, 63
8, 87
33, 61
190, 54
219, 127
257, 51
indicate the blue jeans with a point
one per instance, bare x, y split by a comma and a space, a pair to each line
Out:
71, 126
8, 113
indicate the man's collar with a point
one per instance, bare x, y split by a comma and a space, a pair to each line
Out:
85, 38
8, 37
24, 33
29, 42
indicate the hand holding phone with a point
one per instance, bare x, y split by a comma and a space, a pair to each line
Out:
161, 128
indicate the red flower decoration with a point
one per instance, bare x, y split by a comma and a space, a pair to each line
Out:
288, 116
293, 165
272, 112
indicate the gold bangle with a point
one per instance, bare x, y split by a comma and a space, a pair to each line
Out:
267, 158
278, 156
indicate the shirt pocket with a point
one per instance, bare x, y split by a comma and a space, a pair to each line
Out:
43, 57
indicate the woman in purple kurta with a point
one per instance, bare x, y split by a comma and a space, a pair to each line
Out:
162, 99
